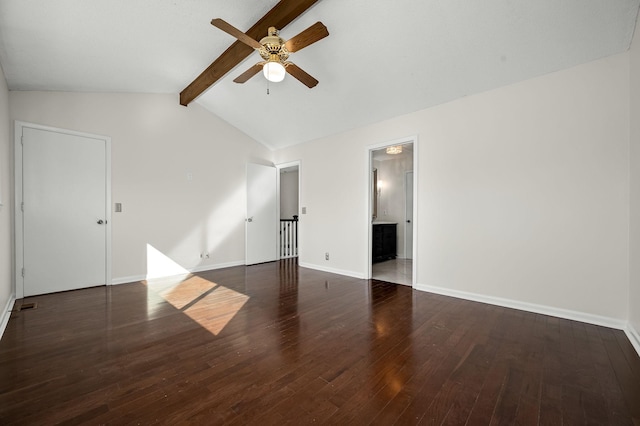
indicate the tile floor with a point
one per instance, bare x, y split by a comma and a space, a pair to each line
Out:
394, 271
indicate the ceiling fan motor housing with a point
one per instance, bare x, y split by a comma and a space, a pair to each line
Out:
273, 47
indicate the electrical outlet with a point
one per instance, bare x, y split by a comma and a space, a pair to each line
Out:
326, 256
204, 255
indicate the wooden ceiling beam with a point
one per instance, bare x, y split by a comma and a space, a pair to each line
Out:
282, 14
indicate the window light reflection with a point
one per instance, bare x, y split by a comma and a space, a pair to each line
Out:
209, 304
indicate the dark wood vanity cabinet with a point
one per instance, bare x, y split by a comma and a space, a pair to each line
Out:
384, 241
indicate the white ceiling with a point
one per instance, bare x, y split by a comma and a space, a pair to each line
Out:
382, 58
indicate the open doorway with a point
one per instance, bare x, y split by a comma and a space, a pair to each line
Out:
289, 195
392, 227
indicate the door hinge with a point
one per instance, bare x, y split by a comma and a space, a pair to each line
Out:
22, 206
21, 140
23, 272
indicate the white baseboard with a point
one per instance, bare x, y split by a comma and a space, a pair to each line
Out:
6, 313
529, 307
216, 266
127, 280
633, 336
201, 268
332, 270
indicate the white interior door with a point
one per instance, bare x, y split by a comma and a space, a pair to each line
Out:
262, 220
408, 226
64, 191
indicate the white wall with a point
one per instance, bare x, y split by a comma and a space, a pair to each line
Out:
178, 172
6, 156
523, 192
288, 194
333, 186
634, 255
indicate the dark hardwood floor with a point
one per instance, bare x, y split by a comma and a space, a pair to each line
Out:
277, 344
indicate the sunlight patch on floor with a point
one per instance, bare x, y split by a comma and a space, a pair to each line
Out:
205, 302
187, 291
215, 309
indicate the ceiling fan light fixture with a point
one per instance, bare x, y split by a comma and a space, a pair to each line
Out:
273, 71
397, 149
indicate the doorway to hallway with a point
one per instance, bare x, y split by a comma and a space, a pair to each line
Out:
289, 209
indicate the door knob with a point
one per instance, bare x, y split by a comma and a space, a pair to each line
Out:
408, 221
100, 222
250, 219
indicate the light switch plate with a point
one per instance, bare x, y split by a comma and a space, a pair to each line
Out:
304, 210
118, 207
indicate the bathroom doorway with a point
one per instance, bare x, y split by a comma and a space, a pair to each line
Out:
392, 227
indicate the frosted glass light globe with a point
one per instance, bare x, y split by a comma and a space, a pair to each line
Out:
273, 71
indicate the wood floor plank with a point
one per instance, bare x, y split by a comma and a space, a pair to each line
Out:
430, 403
278, 344
627, 378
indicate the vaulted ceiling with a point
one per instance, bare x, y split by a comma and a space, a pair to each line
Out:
382, 58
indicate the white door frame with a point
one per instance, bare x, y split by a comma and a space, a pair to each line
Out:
18, 225
369, 204
405, 212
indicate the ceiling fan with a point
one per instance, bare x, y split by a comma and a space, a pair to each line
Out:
282, 14
275, 52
